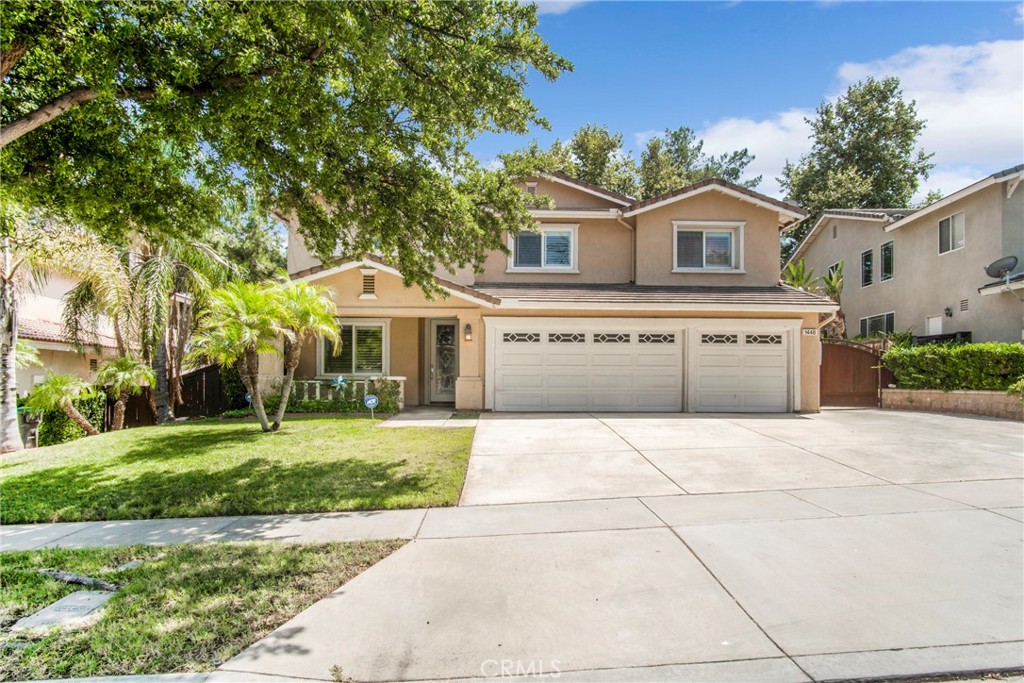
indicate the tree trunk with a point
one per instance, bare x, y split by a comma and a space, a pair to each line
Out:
164, 414
79, 419
291, 362
10, 431
249, 370
120, 405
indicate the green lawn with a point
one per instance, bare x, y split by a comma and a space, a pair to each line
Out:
186, 608
227, 467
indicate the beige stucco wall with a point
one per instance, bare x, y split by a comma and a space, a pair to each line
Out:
603, 255
759, 247
925, 282
60, 363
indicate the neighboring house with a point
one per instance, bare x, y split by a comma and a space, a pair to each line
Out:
668, 304
924, 270
39, 321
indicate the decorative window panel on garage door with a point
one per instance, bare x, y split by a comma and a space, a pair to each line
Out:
588, 369
743, 372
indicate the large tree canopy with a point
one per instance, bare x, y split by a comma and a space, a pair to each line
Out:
351, 117
669, 161
864, 154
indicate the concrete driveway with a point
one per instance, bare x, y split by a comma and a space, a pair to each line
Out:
850, 544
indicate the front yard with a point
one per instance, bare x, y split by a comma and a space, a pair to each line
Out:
225, 467
185, 608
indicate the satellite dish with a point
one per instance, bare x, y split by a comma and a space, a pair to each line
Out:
1002, 267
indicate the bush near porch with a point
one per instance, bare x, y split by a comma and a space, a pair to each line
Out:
990, 366
213, 467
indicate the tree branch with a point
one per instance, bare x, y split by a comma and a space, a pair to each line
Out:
10, 56
60, 105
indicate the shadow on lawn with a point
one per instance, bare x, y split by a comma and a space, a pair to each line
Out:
253, 486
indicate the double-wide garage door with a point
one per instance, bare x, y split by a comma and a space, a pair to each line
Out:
625, 365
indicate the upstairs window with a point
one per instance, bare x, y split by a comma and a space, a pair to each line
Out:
887, 262
362, 350
706, 247
867, 268
552, 248
951, 233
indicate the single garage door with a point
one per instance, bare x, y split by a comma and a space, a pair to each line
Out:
742, 372
588, 366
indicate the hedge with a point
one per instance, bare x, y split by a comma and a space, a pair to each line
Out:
990, 366
347, 400
56, 427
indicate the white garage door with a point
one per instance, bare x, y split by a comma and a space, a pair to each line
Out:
740, 371
588, 366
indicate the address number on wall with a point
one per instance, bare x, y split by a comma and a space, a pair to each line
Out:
810, 333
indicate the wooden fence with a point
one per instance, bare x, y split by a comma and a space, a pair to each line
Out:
202, 395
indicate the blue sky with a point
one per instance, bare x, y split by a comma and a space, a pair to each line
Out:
744, 74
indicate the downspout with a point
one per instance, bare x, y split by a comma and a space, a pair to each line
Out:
632, 246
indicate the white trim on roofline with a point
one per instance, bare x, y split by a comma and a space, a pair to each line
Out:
574, 214
715, 188
583, 188
955, 197
367, 263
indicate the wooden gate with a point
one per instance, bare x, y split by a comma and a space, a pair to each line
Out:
851, 374
202, 395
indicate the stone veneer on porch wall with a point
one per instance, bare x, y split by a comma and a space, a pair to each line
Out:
987, 403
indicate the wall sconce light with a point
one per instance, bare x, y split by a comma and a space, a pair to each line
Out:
468, 332
948, 311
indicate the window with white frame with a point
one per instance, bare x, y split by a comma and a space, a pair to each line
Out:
887, 262
552, 247
874, 325
834, 267
867, 268
701, 246
362, 349
951, 233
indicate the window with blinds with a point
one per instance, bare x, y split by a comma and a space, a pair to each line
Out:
360, 352
705, 249
551, 248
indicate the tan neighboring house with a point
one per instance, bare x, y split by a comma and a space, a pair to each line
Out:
924, 270
39, 322
669, 304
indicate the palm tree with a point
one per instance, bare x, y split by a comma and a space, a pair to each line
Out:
30, 248
26, 355
797, 275
242, 321
307, 311
124, 377
59, 392
149, 291
832, 287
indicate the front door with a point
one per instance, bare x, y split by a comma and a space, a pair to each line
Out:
443, 361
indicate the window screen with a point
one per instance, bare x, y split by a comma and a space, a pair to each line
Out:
528, 248
689, 249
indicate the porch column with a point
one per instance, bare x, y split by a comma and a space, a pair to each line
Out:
469, 386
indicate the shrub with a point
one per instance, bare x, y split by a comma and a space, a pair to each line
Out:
992, 366
1017, 388
237, 412
232, 388
347, 400
56, 427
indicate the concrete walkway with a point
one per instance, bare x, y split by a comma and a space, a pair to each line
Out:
851, 544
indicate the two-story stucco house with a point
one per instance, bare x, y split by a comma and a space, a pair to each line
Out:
668, 304
924, 270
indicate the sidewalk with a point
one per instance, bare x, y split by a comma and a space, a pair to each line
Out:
301, 528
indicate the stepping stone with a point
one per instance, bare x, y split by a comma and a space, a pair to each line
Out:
68, 611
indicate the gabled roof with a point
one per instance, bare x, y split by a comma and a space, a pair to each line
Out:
718, 185
590, 188
1012, 175
370, 261
868, 215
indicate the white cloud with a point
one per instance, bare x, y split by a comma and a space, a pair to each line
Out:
557, 6
1019, 19
971, 96
642, 137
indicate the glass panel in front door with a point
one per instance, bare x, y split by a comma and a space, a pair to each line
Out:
446, 366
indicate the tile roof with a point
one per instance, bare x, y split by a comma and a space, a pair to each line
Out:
893, 214
590, 186
633, 295
788, 206
49, 331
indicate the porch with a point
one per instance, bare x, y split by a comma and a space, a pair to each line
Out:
436, 360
